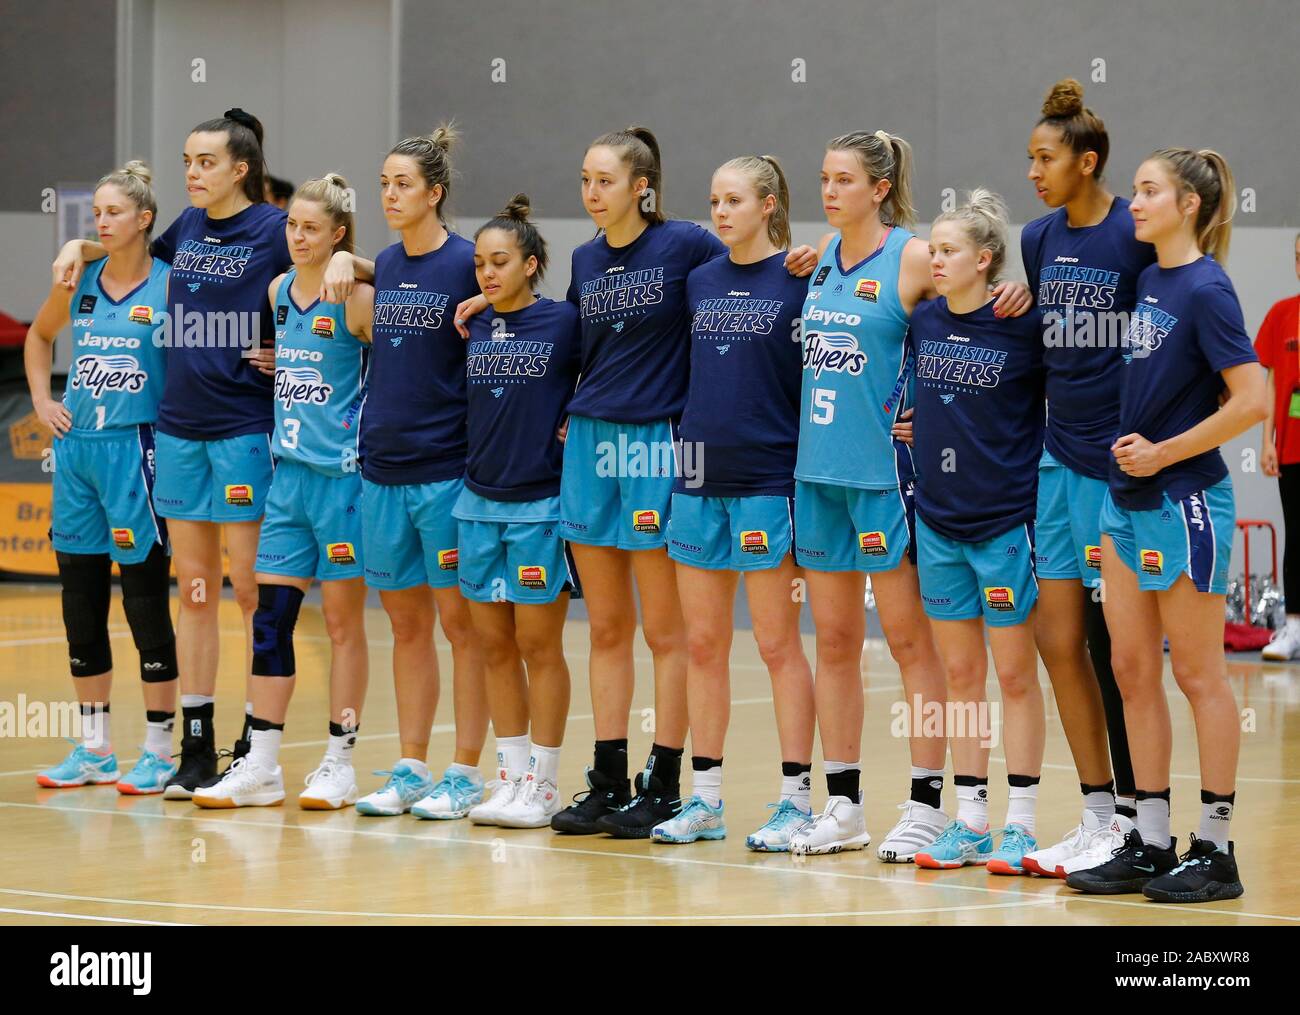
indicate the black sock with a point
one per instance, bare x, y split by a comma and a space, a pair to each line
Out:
248, 728
665, 764
160, 717
928, 790
197, 721
702, 764
846, 783
611, 759
254, 723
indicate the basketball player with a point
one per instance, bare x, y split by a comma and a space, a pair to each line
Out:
215, 417
853, 489
412, 471
734, 517
1168, 518
104, 477
1083, 262
978, 437
312, 527
522, 367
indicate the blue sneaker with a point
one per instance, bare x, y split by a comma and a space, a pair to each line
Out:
958, 845
404, 788
774, 835
1008, 857
696, 820
149, 775
81, 768
452, 797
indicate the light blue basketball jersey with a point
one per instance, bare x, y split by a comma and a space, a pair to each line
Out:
319, 366
117, 369
856, 371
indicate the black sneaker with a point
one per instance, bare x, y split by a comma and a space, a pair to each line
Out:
1205, 875
1129, 869
198, 766
604, 796
651, 806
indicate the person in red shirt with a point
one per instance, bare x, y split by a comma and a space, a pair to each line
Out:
1278, 348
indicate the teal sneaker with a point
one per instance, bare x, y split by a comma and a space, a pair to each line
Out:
1008, 857
774, 835
148, 775
80, 768
404, 788
452, 797
958, 845
696, 820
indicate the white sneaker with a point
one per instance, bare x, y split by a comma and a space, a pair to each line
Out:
331, 786
245, 784
532, 806
1286, 642
919, 826
842, 825
504, 789
1100, 848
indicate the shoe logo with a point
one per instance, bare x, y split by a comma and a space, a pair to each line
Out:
1148, 868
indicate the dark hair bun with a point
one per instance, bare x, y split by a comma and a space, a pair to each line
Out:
1064, 100
518, 208
247, 120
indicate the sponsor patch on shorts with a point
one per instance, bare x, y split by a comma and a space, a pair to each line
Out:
873, 543
1092, 556
449, 560
753, 541
999, 597
341, 553
1153, 562
124, 539
239, 494
532, 576
645, 521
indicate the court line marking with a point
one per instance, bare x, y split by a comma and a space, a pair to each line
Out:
790, 867
520, 918
79, 916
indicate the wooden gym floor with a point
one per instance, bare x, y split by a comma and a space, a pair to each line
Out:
90, 855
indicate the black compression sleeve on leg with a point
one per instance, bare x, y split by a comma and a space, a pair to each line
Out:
146, 591
1112, 700
87, 587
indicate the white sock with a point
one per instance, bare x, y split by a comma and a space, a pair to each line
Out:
95, 734
1102, 805
707, 785
973, 805
195, 700
512, 756
340, 748
1021, 807
798, 789
415, 765
1153, 821
544, 764
158, 737
470, 772
264, 748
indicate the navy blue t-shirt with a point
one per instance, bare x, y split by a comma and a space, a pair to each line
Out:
635, 326
521, 370
746, 372
1187, 327
1085, 285
413, 420
978, 428
216, 297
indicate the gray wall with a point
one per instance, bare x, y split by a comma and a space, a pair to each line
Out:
962, 81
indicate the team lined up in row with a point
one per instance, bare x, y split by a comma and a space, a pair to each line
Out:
467, 496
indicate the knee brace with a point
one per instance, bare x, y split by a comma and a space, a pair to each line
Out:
146, 601
87, 587
277, 613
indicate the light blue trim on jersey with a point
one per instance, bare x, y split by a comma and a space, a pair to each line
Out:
118, 370
319, 369
856, 374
